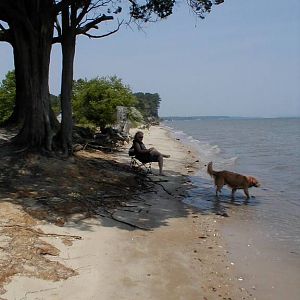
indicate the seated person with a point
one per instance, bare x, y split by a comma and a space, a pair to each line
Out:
147, 155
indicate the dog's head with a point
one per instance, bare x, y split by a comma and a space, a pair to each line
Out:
253, 181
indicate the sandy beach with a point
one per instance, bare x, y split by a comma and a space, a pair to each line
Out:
160, 249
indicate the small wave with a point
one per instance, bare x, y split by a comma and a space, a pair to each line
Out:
216, 149
280, 168
207, 151
231, 161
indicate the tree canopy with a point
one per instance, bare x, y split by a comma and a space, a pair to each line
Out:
32, 26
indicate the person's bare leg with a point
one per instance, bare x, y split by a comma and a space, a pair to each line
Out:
160, 165
155, 152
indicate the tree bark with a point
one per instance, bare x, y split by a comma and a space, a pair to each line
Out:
32, 37
68, 43
18, 114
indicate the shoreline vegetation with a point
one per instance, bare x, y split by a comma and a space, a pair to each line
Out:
88, 227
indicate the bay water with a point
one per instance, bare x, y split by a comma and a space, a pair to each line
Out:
263, 234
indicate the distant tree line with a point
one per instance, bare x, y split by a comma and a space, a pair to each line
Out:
94, 101
148, 104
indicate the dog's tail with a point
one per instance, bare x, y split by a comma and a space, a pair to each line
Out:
210, 170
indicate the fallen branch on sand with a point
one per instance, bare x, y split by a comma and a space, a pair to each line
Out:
111, 215
76, 237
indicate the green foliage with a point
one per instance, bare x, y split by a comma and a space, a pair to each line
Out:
95, 101
135, 116
55, 104
148, 104
151, 10
7, 96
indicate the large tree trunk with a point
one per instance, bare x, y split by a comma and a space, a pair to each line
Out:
18, 115
68, 43
68, 53
33, 41
66, 95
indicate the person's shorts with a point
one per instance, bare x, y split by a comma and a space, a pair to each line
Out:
149, 157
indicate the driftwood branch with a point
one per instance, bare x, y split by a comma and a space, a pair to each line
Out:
76, 237
97, 147
111, 216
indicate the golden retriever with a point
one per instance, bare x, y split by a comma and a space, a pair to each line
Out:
233, 180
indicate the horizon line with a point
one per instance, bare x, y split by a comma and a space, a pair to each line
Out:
230, 117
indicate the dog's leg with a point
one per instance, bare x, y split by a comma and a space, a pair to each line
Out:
218, 190
232, 193
246, 193
219, 182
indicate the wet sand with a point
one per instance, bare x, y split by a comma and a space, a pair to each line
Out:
269, 269
178, 252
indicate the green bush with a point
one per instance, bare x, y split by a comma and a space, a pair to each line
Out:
95, 101
7, 96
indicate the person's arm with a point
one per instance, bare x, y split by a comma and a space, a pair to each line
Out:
138, 149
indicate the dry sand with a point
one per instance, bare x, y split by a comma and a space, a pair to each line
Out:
178, 255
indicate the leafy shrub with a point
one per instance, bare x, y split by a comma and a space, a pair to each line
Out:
95, 101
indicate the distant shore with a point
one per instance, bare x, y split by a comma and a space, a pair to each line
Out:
183, 118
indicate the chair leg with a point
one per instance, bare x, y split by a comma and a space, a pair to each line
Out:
149, 169
136, 165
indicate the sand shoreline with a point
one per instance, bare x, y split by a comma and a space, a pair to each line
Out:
180, 256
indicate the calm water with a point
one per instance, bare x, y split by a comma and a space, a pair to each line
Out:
268, 149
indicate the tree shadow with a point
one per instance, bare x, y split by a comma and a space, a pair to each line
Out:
84, 192
77, 191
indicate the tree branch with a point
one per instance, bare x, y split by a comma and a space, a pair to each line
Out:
56, 40
4, 34
13, 10
103, 35
87, 27
57, 27
7, 10
83, 12
59, 5
73, 16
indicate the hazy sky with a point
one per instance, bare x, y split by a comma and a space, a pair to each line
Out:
242, 60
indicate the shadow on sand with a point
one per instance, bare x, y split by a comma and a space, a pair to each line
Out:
69, 192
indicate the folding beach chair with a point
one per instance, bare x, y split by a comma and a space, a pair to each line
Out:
137, 165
